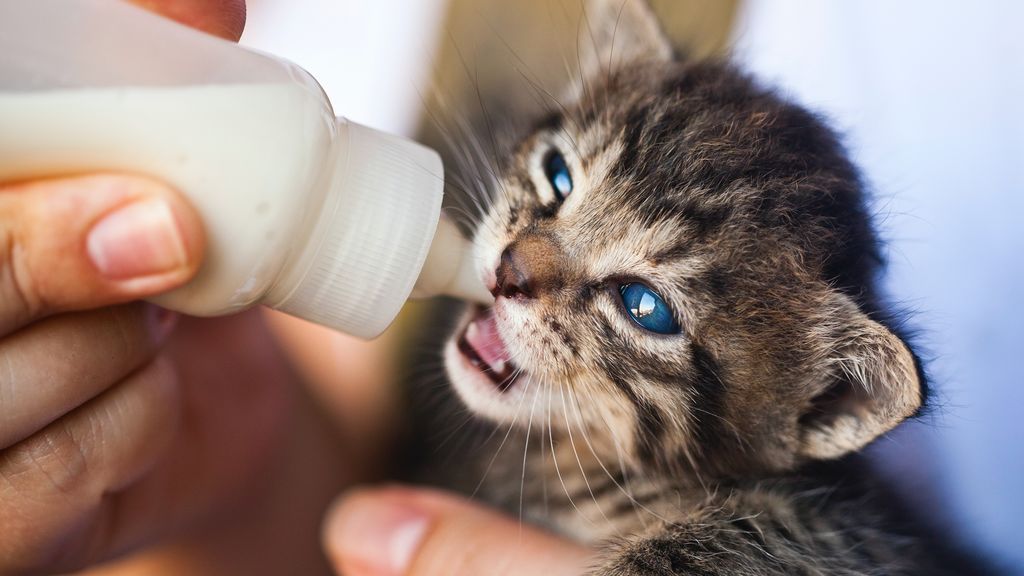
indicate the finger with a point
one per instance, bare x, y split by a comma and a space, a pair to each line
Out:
58, 488
85, 242
50, 368
405, 532
224, 18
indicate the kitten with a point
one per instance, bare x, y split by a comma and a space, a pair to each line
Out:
686, 350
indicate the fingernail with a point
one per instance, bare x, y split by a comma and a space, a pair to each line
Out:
137, 240
376, 534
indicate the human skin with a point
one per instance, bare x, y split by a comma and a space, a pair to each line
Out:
142, 442
126, 428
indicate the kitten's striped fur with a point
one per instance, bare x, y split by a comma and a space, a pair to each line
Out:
728, 449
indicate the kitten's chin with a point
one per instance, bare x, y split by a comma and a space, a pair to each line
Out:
481, 369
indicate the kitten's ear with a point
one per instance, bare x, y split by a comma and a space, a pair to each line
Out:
620, 32
872, 383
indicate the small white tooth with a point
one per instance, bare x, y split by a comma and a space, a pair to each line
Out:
472, 330
498, 366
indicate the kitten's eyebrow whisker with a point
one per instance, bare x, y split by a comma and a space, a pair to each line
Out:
459, 214
584, 22
474, 151
479, 195
454, 179
461, 154
611, 48
493, 168
562, 111
533, 82
480, 159
494, 142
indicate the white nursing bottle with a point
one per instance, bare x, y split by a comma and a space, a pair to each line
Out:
304, 212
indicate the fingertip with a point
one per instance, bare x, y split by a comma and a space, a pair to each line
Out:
82, 242
223, 18
189, 225
147, 240
372, 532
407, 531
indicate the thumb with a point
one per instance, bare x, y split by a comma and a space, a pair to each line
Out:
408, 532
89, 241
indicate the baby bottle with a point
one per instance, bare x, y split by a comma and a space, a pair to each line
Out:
303, 211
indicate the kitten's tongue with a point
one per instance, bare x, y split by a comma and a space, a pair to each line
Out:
482, 335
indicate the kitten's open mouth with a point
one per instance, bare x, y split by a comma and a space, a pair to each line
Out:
483, 347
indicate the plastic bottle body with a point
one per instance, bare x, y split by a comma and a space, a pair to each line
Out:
303, 211
245, 136
254, 200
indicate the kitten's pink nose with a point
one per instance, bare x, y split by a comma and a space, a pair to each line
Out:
528, 268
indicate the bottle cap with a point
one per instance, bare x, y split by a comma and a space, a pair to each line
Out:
368, 246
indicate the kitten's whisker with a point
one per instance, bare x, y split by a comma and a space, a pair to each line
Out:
569, 74
543, 453
558, 472
632, 499
479, 192
526, 450
626, 478
508, 432
486, 117
461, 216
584, 22
537, 87
455, 430
572, 442
474, 192
467, 161
481, 158
460, 154
623, 469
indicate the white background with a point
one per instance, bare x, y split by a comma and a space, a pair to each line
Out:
372, 57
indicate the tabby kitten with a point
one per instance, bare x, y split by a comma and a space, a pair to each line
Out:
686, 348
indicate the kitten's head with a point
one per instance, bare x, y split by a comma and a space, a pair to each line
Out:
683, 265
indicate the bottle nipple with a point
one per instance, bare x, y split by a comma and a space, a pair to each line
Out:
449, 269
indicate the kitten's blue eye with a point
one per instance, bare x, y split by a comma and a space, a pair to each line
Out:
647, 309
558, 175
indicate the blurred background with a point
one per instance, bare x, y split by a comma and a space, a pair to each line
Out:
930, 100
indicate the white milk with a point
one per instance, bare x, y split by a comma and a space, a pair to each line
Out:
307, 213
239, 152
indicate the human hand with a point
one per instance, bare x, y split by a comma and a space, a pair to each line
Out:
416, 532
118, 433
89, 404
113, 432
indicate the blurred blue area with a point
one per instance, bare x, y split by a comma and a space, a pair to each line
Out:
930, 98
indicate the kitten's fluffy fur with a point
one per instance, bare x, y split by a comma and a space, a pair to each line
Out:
728, 448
